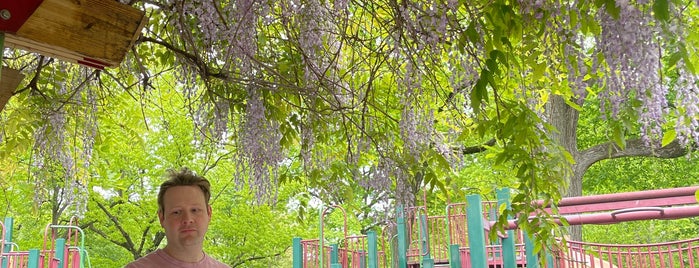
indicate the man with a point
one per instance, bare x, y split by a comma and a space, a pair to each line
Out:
184, 213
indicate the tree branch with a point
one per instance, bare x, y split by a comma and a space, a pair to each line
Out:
127, 237
241, 262
477, 148
636, 147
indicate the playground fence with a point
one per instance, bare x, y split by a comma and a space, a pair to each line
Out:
678, 254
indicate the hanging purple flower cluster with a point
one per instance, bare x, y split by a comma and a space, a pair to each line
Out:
687, 126
56, 162
632, 57
260, 142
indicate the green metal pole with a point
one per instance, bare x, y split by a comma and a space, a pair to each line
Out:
60, 251
508, 243
321, 250
334, 254
476, 234
532, 258
33, 258
298, 252
549, 260
8, 231
402, 239
372, 246
454, 256
362, 258
427, 261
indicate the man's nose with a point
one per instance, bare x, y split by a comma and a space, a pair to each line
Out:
187, 217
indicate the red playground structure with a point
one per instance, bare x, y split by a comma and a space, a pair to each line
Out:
63, 247
458, 239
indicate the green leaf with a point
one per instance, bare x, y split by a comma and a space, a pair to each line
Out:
675, 57
669, 136
538, 72
479, 94
472, 33
610, 6
441, 162
661, 10
618, 136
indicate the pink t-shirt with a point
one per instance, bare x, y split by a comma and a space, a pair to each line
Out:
159, 258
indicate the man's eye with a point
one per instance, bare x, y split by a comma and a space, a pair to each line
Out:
176, 212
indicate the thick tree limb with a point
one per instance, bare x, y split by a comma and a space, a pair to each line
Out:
636, 147
478, 148
128, 241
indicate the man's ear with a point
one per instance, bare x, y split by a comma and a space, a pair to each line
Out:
161, 217
208, 210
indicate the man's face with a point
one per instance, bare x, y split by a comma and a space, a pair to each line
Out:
185, 216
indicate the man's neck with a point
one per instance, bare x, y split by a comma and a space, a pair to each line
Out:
185, 254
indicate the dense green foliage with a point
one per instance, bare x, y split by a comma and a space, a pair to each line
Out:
290, 106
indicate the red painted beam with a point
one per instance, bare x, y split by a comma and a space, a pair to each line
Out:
650, 194
614, 205
14, 13
624, 215
634, 215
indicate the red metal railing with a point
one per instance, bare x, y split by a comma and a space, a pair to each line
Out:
458, 234
678, 254
352, 251
311, 253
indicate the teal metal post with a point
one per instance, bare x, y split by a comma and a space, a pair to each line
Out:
372, 246
8, 224
508, 243
476, 234
33, 258
549, 260
454, 256
532, 258
60, 251
402, 239
334, 254
362, 258
321, 246
427, 261
298, 252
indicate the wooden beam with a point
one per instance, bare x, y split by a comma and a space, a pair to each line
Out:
95, 33
8, 84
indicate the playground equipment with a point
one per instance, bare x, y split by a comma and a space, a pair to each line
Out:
63, 247
351, 251
459, 238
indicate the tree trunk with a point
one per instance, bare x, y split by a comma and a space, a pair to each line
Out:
565, 119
